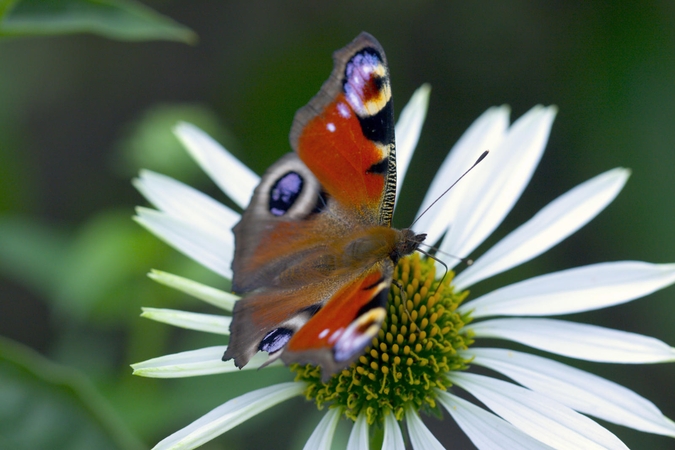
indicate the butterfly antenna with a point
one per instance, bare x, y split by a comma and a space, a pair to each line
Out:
480, 158
436, 250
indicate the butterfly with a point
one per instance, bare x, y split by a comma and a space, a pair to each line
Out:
315, 251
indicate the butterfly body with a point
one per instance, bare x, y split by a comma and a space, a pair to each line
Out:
315, 252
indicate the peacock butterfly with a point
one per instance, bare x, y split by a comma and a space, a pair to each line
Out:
314, 251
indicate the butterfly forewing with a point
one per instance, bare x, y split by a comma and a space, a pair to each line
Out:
345, 135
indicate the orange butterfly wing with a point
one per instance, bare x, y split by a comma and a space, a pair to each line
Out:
349, 146
345, 135
345, 325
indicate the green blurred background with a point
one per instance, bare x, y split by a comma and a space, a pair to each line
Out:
89, 92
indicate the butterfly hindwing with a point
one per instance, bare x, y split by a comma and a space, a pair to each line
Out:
340, 331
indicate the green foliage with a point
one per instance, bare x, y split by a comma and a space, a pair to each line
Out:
83, 273
28, 252
125, 20
104, 260
44, 405
149, 143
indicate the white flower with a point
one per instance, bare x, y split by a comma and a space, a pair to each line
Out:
548, 405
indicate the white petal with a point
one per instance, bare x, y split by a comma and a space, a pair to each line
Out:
420, 436
233, 177
322, 437
358, 438
485, 133
580, 341
213, 296
408, 129
205, 361
548, 227
208, 323
504, 174
486, 431
393, 439
213, 252
542, 418
574, 290
229, 415
186, 203
581, 391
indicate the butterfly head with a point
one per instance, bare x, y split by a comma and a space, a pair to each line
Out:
408, 242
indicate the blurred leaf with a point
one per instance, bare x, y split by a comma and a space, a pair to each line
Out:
109, 252
31, 253
100, 270
149, 143
125, 20
17, 179
5, 7
44, 405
